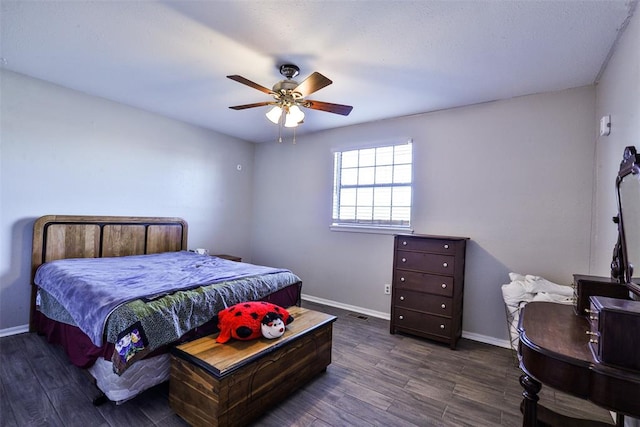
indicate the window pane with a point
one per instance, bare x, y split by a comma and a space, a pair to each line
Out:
402, 196
382, 213
366, 176
403, 153
347, 213
348, 196
402, 174
384, 156
367, 157
365, 196
350, 159
364, 213
382, 196
400, 214
350, 176
384, 174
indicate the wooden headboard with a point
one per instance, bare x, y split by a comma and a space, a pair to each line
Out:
64, 236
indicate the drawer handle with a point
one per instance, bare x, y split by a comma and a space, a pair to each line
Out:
402, 279
592, 341
445, 265
401, 317
404, 260
444, 286
443, 306
446, 246
404, 243
441, 326
401, 298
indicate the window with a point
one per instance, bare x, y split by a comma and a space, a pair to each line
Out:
373, 186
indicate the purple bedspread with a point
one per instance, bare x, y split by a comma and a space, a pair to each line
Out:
91, 288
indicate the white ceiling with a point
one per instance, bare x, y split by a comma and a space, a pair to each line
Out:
386, 58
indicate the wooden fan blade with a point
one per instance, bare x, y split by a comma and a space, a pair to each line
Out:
245, 106
328, 107
249, 83
313, 83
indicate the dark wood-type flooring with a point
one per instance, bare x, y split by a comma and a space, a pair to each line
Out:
375, 379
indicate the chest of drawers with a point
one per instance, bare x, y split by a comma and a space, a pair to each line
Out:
428, 285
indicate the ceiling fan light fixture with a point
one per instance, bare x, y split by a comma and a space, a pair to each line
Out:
294, 117
296, 114
274, 114
290, 122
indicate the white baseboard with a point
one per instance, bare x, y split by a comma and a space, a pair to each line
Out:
14, 331
486, 339
336, 304
386, 316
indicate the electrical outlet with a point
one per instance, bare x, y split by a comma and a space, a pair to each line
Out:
387, 289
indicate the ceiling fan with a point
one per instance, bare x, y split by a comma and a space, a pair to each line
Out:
290, 95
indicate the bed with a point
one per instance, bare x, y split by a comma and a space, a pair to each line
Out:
105, 289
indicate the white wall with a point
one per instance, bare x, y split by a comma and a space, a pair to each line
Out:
515, 176
64, 152
618, 95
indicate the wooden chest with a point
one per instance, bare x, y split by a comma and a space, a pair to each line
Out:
231, 384
428, 284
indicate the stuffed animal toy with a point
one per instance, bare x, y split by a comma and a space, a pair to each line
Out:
250, 320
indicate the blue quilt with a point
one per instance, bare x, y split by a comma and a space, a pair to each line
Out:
90, 289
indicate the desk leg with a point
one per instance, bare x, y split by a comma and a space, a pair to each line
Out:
530, 394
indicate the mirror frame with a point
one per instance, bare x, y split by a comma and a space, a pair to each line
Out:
620, 267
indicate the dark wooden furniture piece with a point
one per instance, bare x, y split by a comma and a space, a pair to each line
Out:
428, 285
554, 350
231, 384
229, 257
585, 286
615, 324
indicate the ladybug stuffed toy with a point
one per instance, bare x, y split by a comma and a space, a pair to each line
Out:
250, 320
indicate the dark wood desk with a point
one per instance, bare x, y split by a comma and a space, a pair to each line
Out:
554, 351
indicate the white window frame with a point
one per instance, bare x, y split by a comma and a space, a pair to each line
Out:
363, 225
